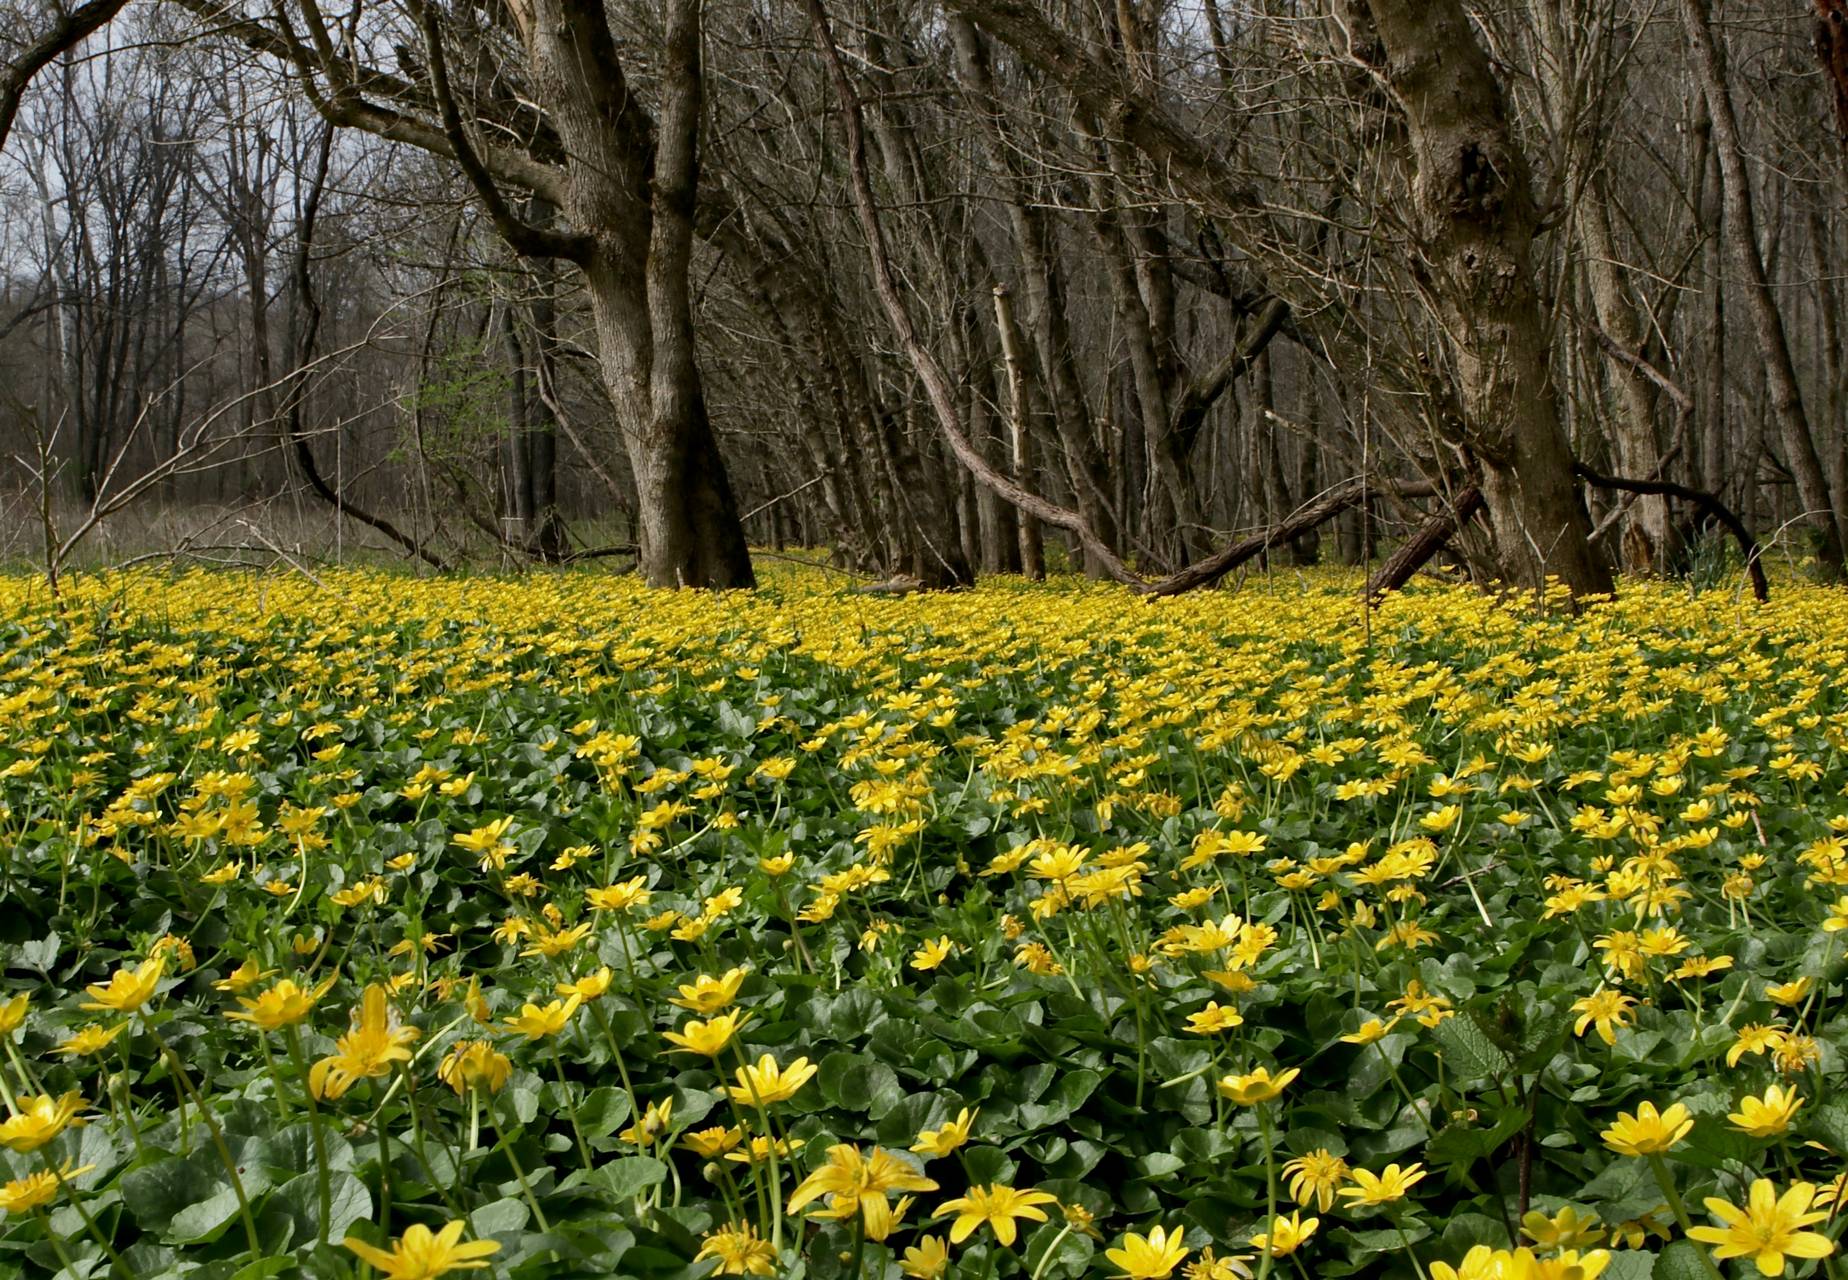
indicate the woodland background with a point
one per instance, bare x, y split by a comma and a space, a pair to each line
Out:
942, 287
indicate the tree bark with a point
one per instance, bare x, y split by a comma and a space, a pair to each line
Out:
1475, 219
1767, 322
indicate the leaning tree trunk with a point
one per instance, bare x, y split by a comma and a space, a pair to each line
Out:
1475, 222
1767, 321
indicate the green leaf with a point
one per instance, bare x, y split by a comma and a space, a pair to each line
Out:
499, 1217
1681, 1261
1469, 1051
630, 1176
860, 1083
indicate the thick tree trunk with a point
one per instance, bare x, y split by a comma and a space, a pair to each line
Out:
1476, 220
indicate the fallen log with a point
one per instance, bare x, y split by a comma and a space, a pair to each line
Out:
1705, 504
1416, 551
1329, 504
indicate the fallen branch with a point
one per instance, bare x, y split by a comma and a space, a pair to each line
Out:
1329, 504
1705, 504
1416, 551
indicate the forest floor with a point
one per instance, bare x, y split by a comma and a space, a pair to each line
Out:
1042, 930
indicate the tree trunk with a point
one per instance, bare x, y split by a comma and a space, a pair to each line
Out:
1767, 322
1475, 220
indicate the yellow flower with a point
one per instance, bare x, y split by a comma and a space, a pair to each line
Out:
90, 1040
1213, 1019
707, 1038
367, 1051
1315, 1177
619, 897
708, 995
931, 954
711, 1143
1755, 1038
1564, 1230
1382, 1188
1607, 1009
13, 1013
1151, 1257
36, 1190
1789, 994
244, 977
996, 1205
1371, 1031
588, 987
1838, 917
1480, 1263
739, 1251
474, 1064
780, 865
856, 1185
941, 1142
38, 1118
283, 1005
1259, 1086
1286, 1235
536, 1023
1768, 1116
127, 989
1768, 1229
928, 1259
421, 1254
548, 943
766, 1082
1648, 1132
651, 1125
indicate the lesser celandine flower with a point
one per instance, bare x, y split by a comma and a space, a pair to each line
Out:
1286, 1234
1767, 1116
738, 1250
127, 989
931, 954
711, 1143
422, 1254
1563, 1230
87, 1041
651, 1124
1258, 1086
375, 1042
857, 1184
38, 1118
1390, 1184
1607, 1010
1214, 1019
707, 994
619, 897
244, 977
1149, 1257
996, 1205
13, 1013
928, 1259
766, 1082
283, 1005
474, 1064
36, 1190
708, 1038
953, 1134
536, 1022
1769, 1229
1648, 1132
1315, 1176
589, 987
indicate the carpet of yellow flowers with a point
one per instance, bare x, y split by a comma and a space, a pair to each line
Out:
556, 927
